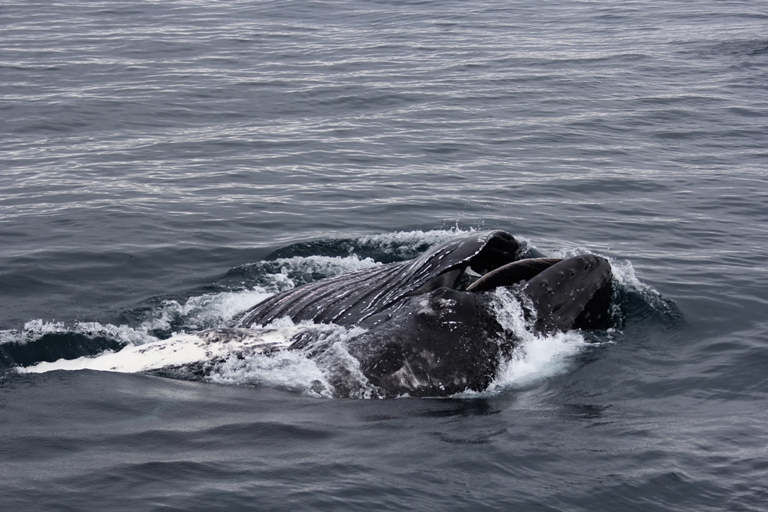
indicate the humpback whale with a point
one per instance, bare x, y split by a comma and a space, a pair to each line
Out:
430, 327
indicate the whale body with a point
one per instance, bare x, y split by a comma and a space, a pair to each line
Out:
430, 326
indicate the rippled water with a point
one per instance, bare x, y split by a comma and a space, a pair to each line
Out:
162, 163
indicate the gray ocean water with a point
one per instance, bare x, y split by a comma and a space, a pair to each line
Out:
161, 163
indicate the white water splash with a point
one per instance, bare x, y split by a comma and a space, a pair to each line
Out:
537, 357
403, 242
331, 371
624, 274
331, 265
285, 370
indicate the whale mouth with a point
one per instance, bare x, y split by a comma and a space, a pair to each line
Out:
370, 296
499, 263
510, 274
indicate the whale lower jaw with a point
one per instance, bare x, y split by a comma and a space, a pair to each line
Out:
179, 351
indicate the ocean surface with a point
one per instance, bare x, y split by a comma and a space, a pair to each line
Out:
164, 166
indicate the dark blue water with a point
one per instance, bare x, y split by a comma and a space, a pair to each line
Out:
163, 166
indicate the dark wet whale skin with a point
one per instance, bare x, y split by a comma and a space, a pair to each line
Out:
428, 337
448, 341
352, 299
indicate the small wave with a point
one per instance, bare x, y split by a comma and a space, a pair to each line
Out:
631, 296
635, 299
404, 245
207, 311
281, 274
383, 248
36, 329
